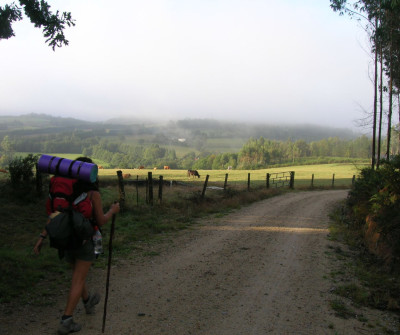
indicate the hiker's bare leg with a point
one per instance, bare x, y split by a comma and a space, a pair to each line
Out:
85, 291
78, 285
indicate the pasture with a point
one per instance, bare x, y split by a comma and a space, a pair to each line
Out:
323, 174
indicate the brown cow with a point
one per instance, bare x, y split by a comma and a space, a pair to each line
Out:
166, 167
100, 167
4, 171
126, 175
141, 167
193, 173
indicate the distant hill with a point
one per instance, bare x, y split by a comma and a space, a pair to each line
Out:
31, 124
215, 129
41, 124
182, 144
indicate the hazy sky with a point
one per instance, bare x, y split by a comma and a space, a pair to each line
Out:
254, 60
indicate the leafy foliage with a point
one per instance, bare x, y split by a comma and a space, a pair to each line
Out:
8, 14
377, 193
386, 202
21, 172
259, 153
6, 151
40, 15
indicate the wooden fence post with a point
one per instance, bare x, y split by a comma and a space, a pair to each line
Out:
312, 180
204, 187
160, 189
291, 184
248, 182
226, 181
333, 180
121, 189
267, 181
147, 190
137, 190
150, 182
353, 180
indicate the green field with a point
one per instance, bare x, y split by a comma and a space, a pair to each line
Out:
323, 175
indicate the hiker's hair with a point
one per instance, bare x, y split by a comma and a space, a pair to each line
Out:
84, 159
82, 186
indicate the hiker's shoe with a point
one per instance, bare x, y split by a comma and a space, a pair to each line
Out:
68, 326
94, 299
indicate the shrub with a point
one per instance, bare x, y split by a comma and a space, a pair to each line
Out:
368, 184
377, 193
21, 169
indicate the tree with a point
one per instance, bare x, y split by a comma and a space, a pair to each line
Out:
302, 148
21, 171
40, 15
382, 17
6, 151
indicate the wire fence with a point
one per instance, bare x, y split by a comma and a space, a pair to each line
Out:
152, 189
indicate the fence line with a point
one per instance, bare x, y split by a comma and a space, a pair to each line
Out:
273, 180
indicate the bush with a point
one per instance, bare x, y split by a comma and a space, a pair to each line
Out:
377, 194
21, 170
368, 184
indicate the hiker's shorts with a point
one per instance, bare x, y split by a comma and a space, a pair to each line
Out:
84, 253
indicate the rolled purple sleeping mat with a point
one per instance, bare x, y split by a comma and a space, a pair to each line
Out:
68, 168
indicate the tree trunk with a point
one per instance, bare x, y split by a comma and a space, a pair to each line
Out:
398, 105
380, 109
375, 99
389, 131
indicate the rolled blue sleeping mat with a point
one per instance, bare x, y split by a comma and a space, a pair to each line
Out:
68, 168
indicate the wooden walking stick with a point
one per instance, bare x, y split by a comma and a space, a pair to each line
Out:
108, 270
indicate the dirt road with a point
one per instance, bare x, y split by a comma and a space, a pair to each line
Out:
259, 270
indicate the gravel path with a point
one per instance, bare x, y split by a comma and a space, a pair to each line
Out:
258, 270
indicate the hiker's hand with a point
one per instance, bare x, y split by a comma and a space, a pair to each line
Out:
115, 208
38, 246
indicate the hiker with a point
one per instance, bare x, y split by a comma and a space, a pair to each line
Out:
81, 258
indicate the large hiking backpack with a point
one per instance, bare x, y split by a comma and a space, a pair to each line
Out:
69, 215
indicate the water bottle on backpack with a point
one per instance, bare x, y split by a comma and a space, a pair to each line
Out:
97, 241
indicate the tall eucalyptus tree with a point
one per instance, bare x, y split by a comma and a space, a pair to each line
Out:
357, 10
382, 17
